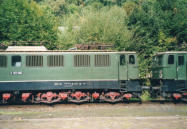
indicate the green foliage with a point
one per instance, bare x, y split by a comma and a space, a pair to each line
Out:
21, 20
97, 5
61, 8
145, 96
129, 7
105, 25
158, 25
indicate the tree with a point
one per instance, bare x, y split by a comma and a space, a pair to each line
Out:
159, 24
21, 20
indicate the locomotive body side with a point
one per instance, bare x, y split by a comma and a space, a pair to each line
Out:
40, 75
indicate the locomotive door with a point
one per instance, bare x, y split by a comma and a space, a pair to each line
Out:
132, 67
122, 67
181, 67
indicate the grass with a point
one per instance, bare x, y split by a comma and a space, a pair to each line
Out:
19, 113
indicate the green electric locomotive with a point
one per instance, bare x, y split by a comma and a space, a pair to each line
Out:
35, 74
169, 74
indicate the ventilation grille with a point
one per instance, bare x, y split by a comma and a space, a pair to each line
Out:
55, 60
34, 61
81, 60
102, 60
3, 61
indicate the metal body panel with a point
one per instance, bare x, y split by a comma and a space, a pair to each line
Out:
24, 78
171, 86
67, 72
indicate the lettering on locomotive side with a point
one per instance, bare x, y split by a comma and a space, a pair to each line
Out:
58, 84
69, 84
16, 73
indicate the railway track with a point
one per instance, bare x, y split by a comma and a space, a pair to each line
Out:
152, 115
161, 102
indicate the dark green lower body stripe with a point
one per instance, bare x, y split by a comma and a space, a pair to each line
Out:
63, 85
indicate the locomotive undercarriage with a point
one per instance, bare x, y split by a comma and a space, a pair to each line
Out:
175, 96
69, 91
75, 96
170, 90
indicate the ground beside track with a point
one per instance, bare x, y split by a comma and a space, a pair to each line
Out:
94, 116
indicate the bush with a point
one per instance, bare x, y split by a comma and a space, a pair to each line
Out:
145, 96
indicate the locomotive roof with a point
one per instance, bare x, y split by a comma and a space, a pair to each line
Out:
66, 51
26, 48
171, 52
42, 49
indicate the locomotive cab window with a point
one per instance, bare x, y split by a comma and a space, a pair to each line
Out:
3, 61
181, 60
131, 59
171, 59
122, 59
159, 60
16, 61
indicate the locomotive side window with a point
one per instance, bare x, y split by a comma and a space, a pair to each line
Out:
131, 59
16, 61
102, 60
181, 60
55, 60
3, 61
34, 61
171, 59
81, 60
122, 59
